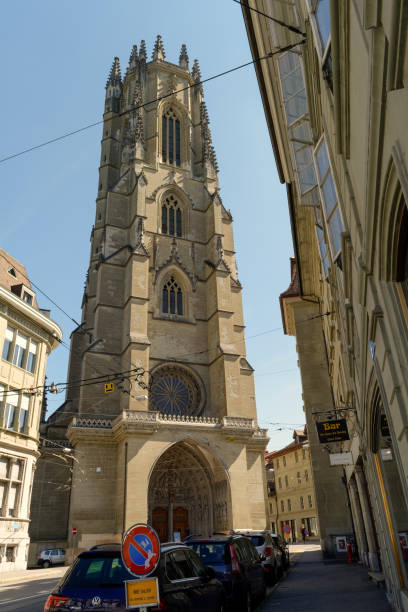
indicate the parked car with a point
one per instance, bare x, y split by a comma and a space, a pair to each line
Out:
282, 544
51, 556
237, 565
96, 580
269, 552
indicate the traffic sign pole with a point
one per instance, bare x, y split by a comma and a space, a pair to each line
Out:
141, 555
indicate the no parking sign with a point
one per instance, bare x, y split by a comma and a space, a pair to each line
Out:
141, 549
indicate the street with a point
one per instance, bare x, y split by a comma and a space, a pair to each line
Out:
311, 584
27, 593
317, 585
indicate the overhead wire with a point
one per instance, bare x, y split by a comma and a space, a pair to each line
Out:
153, 101
278, 21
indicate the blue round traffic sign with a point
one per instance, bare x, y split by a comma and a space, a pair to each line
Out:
141, 549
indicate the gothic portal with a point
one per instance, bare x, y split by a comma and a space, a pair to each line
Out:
162, 294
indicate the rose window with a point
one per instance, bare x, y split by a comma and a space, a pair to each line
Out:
174, 391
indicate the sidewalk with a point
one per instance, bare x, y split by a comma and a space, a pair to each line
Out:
318, 586
32, 574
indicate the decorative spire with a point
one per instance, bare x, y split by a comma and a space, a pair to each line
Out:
183, 59
196, 74
158, 51
142, 52
207, 146
133, 59
115, 77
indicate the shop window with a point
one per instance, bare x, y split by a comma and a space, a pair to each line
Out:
11, 554
402, 256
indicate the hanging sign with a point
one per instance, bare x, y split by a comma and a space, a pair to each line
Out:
341, 459
385, 430
141, 549
109, 387
332, 431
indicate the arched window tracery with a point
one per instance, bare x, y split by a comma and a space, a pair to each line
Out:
172, 217
171, 137
172, 298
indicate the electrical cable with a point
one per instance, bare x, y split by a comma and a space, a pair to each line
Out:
158, 99
278, 21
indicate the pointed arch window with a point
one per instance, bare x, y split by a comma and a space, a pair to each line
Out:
172, 298
171, 137
172, 218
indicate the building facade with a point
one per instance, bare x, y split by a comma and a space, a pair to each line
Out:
176, 443
291, 493
335, 94
27, 336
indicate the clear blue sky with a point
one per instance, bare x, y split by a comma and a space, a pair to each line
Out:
56, 58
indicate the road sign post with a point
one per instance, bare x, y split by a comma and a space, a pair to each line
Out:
141, 555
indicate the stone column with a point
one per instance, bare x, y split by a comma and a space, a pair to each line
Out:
368, 523
358, 521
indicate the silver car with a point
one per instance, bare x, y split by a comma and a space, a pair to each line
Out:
51, 556
270, 554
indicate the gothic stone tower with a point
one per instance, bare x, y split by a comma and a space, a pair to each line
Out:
162, 294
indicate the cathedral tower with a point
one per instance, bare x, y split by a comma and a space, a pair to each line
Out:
162, 296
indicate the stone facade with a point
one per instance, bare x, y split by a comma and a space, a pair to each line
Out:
335, 102
176, 443
27, 336
291, 491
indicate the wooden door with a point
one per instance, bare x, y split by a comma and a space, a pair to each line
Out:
180, 521
160, 522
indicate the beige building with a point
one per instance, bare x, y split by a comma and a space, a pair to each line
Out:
162, 306
27, 336
335, 94
291, 493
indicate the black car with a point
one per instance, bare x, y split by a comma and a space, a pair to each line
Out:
280, 542
96, 581
237, 565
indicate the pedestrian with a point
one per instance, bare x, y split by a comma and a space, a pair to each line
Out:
303, 532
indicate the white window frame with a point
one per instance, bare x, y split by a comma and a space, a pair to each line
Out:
15, 348
328, 216
21, 402
323, 52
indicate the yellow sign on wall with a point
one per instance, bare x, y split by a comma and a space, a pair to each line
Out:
109, 387
142, 593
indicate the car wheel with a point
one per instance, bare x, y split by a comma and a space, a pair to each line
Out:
46, 564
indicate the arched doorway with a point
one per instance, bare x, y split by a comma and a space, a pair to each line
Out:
189, 489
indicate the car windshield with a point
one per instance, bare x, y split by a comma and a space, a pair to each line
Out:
98, 571
257, 540
212, 553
